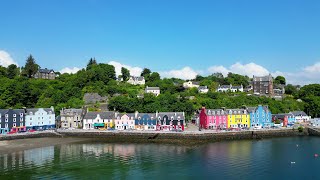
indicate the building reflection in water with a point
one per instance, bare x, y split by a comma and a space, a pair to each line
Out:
30, 157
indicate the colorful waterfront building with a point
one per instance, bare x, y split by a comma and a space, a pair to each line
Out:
71, 118
40, 118
125, 121
170, 121
12, 119
238, 118
282, 118
213, 118
260, 116
146, 121
97, 120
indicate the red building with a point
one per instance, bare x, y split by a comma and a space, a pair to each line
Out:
213, 119
282, 117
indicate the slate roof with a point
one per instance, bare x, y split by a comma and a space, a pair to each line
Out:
137, 78
152, 88
46, 70
299, 113
33, 110
263, 78
216, 112
225, 86
237, 111
103, 115
202, 87
171, 114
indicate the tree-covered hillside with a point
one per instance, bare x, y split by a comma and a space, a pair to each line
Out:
19, 90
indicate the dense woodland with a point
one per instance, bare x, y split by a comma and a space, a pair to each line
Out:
18, 89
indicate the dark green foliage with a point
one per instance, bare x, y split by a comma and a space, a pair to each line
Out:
125, 73
290, 89
12, 71
300, 129
31, 67
280, 80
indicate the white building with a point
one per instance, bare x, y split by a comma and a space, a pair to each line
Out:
95, 120
230, 88
40, 118
136, 80
190, 84
125, 121
203, 89
315, 122
153, 90
301, 116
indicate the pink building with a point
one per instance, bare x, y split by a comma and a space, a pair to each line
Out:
213, 118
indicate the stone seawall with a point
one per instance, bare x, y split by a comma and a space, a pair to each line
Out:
314, 131
180, 137
159, 137
28, 135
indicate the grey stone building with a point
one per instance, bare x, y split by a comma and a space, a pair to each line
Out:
45, 74
72, 118
262, 85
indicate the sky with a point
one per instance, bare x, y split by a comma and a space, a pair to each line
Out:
177, 38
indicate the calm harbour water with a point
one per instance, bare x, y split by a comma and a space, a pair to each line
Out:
246, 159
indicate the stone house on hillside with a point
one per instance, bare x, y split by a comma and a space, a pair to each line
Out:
45, 74
91, 98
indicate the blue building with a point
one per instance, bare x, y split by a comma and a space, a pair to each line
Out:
260, 116
146, 122
12, 118
40, 118
291, 119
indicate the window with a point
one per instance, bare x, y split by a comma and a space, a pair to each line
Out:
14, 115
31, 119
6, 125
6, 119
21, 124
21, 114
21, 119
14, 125
14, 119
30, 124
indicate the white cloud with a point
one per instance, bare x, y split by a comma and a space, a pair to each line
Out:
184, 73
219, 69
5, 59
249, 69
70, 70
134, 71
313, 69
306, 75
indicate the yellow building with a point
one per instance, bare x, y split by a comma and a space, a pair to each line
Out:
238, 118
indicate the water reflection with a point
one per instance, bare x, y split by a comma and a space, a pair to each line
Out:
222, 160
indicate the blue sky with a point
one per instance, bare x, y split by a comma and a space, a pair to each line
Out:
169, 36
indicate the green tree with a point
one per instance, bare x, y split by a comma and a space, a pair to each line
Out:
31, 67
125, 73
154, 77
280, 80
92, 62
290, 89
146, 73
12, 71
3, 71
